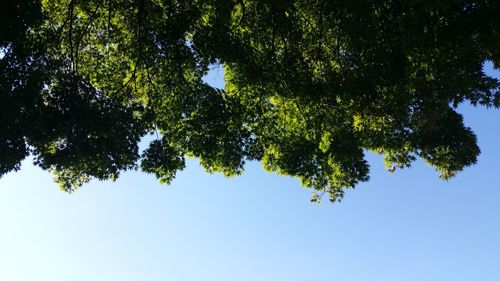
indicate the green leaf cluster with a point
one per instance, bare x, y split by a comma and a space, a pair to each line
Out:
310, 86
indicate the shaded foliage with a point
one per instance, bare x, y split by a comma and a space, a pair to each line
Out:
310, 86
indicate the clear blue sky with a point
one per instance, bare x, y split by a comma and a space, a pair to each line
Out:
404, 226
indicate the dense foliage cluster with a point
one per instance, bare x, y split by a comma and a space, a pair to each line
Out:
309, 85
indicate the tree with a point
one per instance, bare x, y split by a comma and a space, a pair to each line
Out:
310, 86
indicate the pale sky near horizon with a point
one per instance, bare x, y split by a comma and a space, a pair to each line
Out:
408, 226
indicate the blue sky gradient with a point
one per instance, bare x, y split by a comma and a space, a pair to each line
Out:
409, 225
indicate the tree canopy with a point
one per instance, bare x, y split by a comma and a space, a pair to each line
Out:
310, 86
